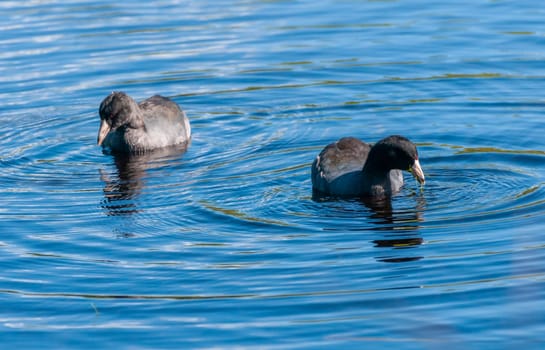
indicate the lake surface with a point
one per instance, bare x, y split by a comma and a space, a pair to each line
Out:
224, 246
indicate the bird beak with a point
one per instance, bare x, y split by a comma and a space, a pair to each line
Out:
103, 131
417, 172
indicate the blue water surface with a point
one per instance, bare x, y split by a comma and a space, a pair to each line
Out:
224, 245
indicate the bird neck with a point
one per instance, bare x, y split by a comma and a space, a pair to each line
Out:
137, 120
376, 173
376, 163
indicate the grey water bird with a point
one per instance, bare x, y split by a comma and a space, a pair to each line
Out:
130, 127
352, 168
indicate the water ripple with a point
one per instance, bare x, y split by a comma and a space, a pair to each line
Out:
227, 232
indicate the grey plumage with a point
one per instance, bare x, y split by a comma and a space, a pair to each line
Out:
130, 127
350, 167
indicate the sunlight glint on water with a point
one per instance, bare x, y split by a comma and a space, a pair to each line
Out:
225, 245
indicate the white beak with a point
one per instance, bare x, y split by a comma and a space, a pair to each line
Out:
417, 172
103, 131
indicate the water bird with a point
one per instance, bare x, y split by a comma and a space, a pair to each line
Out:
350, 167
130, 127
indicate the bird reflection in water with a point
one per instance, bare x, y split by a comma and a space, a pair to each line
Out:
399, 228
121, 190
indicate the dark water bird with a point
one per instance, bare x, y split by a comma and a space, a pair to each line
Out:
352, 168
130, 127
